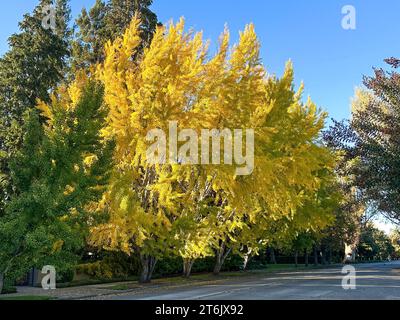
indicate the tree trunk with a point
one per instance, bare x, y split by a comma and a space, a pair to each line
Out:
245, 261
247, 258
217, 267
345, 255
220, 258
148, 265
350, 250
1, 282
315, 251
187, 267
272, 255
296, 255
353, 255
306, 257
323, 255
330, 255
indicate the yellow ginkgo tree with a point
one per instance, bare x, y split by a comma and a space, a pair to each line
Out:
195, 202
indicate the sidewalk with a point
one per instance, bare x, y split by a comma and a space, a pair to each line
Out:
103, 290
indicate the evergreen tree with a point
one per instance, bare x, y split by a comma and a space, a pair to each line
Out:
33, 66
107, 21
35, 62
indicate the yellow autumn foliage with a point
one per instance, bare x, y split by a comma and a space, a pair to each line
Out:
188, 209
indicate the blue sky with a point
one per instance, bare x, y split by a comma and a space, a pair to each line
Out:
330, 60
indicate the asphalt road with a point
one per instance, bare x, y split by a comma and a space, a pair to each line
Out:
373, 281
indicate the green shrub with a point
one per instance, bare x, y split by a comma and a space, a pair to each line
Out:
169, 266
233, 263
98, 270
203, 265
113, 265
9, 289
65, 276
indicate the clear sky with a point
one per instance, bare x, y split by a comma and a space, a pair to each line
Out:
330, 60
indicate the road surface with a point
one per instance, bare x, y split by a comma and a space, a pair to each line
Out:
373, 281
